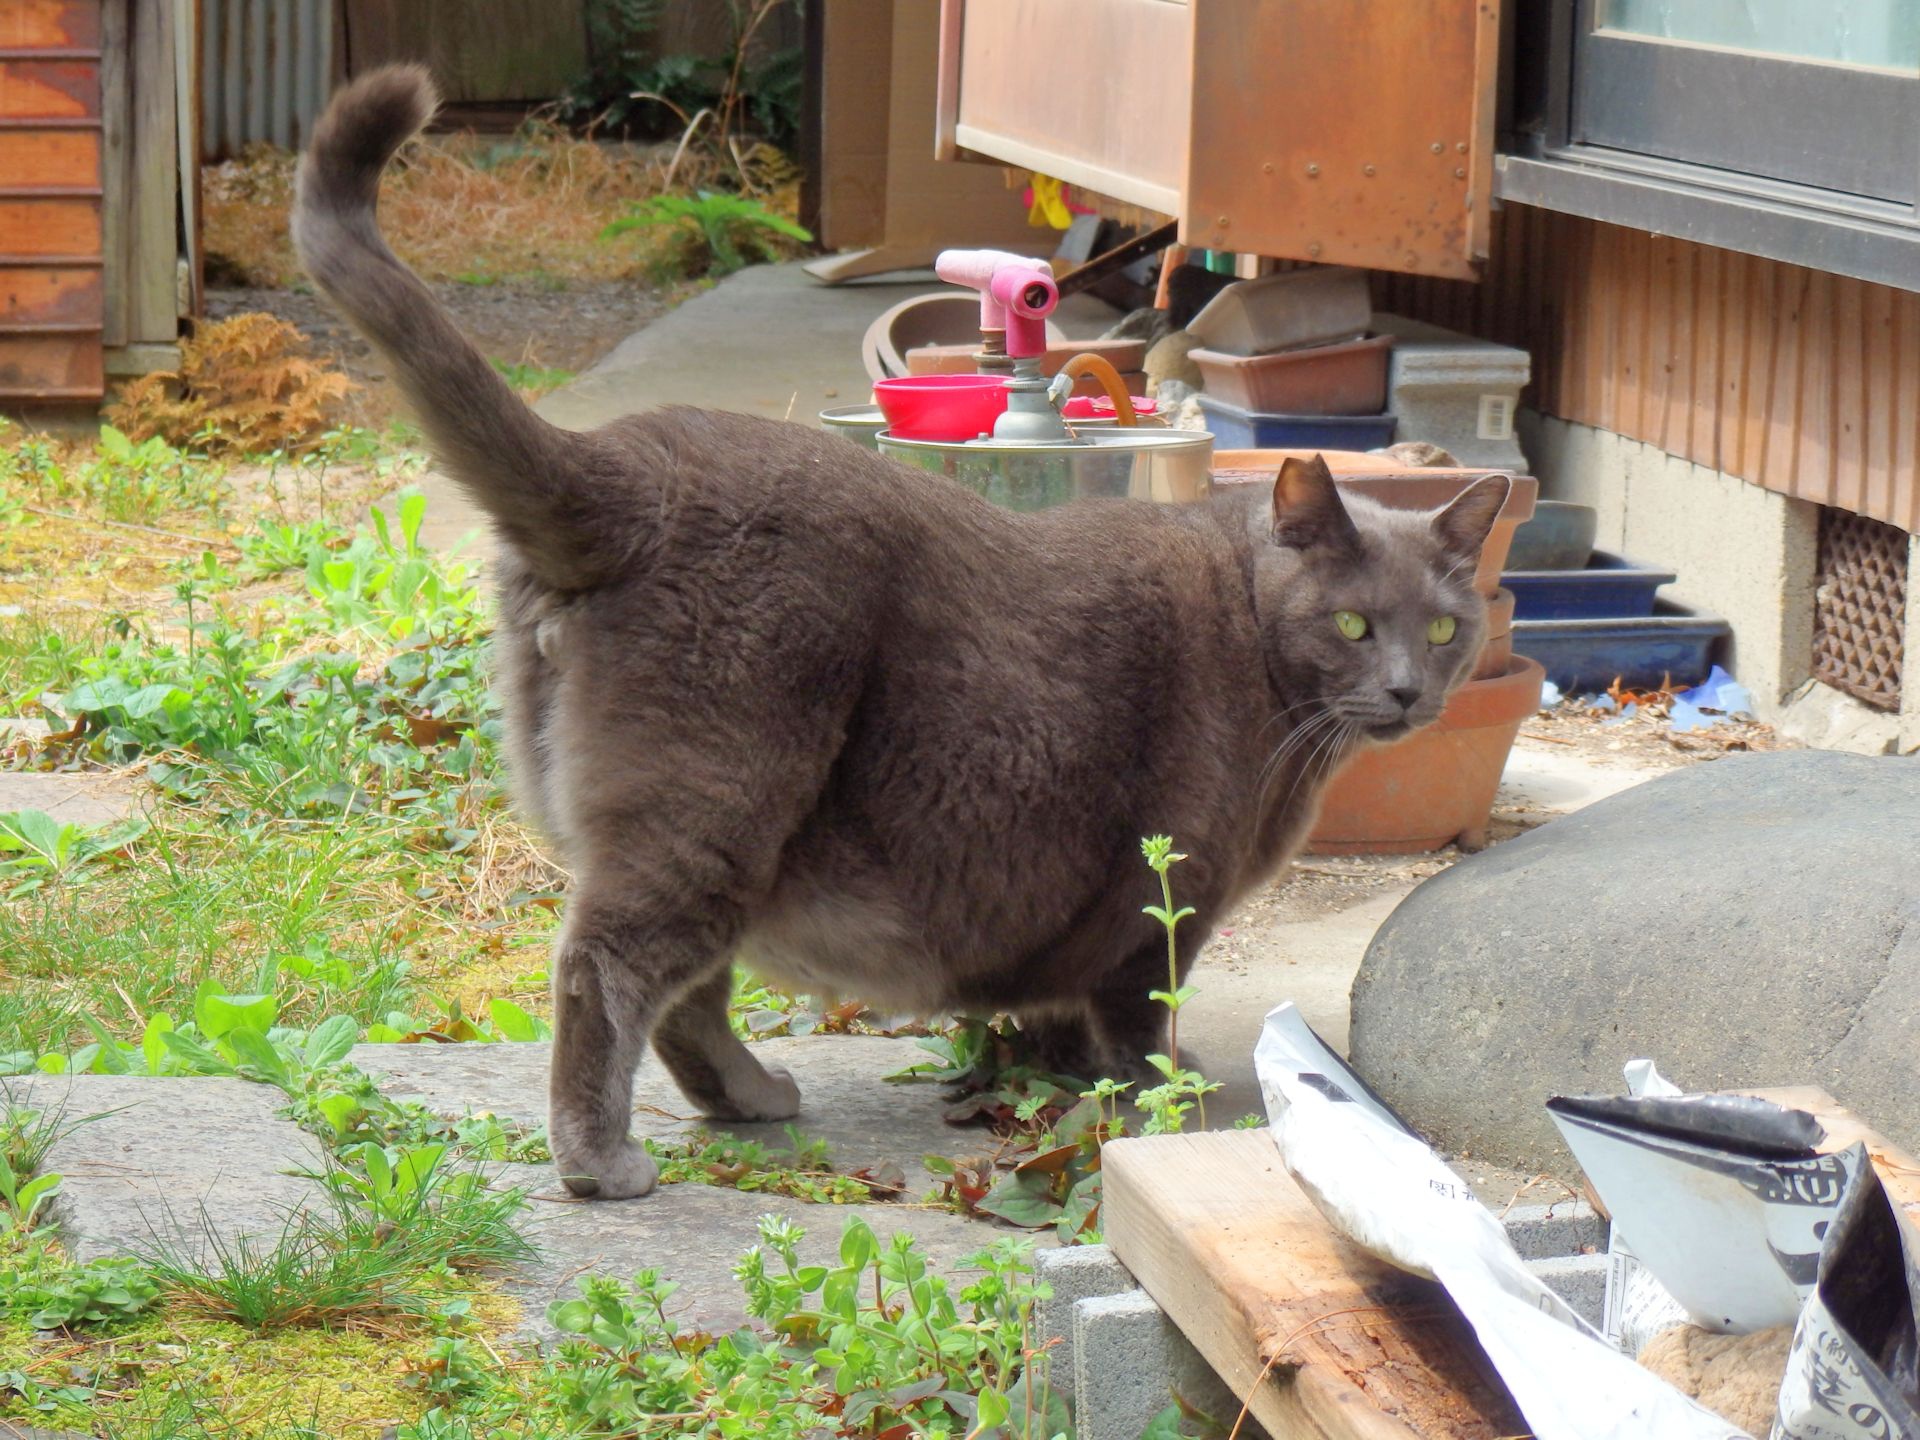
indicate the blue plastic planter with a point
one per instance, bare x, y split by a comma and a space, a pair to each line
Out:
1236, 429
1674, 645
1611, 587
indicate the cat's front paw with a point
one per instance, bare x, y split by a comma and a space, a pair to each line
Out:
628, 1171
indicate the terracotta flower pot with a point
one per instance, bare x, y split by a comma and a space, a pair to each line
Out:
1381, 478
1438, 784
1498, 648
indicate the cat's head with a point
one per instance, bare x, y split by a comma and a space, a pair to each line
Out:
1367, 613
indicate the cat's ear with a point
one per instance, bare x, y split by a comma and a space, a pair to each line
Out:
1463, 526
1307, 510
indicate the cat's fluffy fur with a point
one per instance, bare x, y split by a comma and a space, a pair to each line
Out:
768, 692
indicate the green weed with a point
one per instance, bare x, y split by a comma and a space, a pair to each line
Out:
713, 232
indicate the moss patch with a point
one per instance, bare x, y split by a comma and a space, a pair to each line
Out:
160, 1376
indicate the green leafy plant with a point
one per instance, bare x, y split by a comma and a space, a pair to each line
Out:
36, 850
273, 549
720, 232
875, 1344
1166, 1104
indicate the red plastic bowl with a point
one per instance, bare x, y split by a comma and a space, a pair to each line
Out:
952, 408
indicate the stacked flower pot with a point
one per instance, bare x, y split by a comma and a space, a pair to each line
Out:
1287, 362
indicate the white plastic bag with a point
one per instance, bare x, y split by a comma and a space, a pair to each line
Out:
1383, 1186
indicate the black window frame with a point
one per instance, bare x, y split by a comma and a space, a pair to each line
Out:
1550, 155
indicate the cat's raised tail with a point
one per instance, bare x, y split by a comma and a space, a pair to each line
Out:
533, 478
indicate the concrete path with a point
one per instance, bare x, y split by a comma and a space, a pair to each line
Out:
768, 341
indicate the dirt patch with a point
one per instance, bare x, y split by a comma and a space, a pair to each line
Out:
1640, 734
562, 330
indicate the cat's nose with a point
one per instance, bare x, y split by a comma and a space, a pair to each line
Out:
1403, 695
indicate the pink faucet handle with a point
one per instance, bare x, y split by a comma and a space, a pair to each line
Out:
1028, 296
976, 269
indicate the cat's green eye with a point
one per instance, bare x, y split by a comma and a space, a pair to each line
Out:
1440, 631
1353, 626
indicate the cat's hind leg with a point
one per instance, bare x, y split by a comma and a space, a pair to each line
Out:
710, 1064
620, 963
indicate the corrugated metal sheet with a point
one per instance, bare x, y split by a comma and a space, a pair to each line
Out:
266, 67
1799, 380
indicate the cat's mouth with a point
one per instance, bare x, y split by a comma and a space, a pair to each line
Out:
1390, 730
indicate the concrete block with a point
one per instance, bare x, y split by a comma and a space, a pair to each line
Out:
1580, 1280
1568, 463
1130, 1361
1545, 1232
1462, 395
1073, 1273
1828, 719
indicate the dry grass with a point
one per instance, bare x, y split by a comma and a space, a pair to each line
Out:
528, 208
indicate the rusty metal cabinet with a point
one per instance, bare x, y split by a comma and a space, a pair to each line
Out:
1357, 132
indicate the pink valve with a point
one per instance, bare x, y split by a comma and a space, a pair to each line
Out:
1016, 294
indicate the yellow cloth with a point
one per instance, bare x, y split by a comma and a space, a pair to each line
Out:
1049, 203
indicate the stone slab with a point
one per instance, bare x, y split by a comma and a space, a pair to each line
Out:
845, 1098
696, 1234
168, 1161
1746, 922
74, 799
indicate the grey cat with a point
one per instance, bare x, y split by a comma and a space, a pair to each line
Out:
769, 694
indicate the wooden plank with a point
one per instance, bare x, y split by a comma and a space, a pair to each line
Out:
116, 166
486, 50
50, 227
1849, 385
1904, 508
1878, 359
1351, 1349
1702, 420
49, 89
50, 24
1662, 341
153, 244
1598, 316
33, 159
1814, 457
49, 295
50, 367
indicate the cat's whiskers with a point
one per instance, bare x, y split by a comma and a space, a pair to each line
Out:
1313, 726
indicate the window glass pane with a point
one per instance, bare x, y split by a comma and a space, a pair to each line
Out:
1881, 33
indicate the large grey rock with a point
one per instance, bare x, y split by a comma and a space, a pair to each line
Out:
168, 1163
1746, 922
845, 1098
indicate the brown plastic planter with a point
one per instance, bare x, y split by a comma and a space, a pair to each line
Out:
1437, 785
1349, 379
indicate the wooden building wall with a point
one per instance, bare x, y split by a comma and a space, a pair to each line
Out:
52, 289
1802, 381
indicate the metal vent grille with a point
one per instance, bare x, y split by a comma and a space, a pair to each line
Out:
1860, 607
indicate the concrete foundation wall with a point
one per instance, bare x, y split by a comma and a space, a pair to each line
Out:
1740, 551
1743, 552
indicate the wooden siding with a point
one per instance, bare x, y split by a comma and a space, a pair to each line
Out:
52, 299
1799, 380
